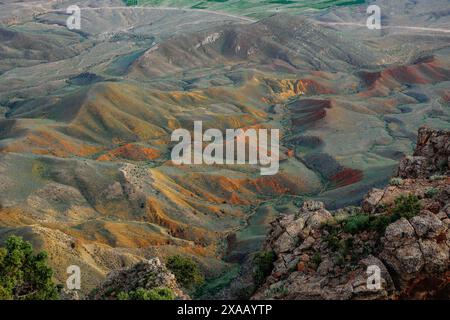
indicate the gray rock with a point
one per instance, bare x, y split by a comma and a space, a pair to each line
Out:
372, 200
427, 224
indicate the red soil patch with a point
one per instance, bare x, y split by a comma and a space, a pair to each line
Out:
427, 71
346, 177
309, 111
313, 87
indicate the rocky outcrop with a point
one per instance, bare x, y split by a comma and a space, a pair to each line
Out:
402, 231
151, 274
432, 155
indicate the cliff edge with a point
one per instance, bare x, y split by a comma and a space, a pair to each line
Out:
402, 231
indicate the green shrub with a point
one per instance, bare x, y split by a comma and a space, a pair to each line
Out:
186, 271
396, 181
23, 274
263, 266
333, 241
431, 192
316, 260
406, 207
380, 223
356, 223
143, 294
437, 177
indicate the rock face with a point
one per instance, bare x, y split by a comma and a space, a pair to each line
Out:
333, 255
148, 275
432, 155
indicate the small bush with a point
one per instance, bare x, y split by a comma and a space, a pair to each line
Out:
431, 192
186, 271
263, 266
333, 242
143, 294
380, 223
406, 207
396, 182
316, 260
357, 223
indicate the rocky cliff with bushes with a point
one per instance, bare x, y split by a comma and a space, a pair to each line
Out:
147, 280
403, 230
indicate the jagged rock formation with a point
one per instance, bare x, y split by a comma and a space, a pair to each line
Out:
148, 275
432, 155
326, 255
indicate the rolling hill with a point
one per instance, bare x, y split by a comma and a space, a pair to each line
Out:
86, 118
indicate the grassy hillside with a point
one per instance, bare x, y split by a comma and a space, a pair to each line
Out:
251, 8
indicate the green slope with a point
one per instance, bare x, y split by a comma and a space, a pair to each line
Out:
251, 8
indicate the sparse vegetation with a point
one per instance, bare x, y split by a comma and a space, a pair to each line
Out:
263, 266
316, 260
431, 192
332, 241
356, 223
23, 274
406, 207
143, 294
380, 223
437, 177
279, 291
186, 271
396, 182
213, 285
